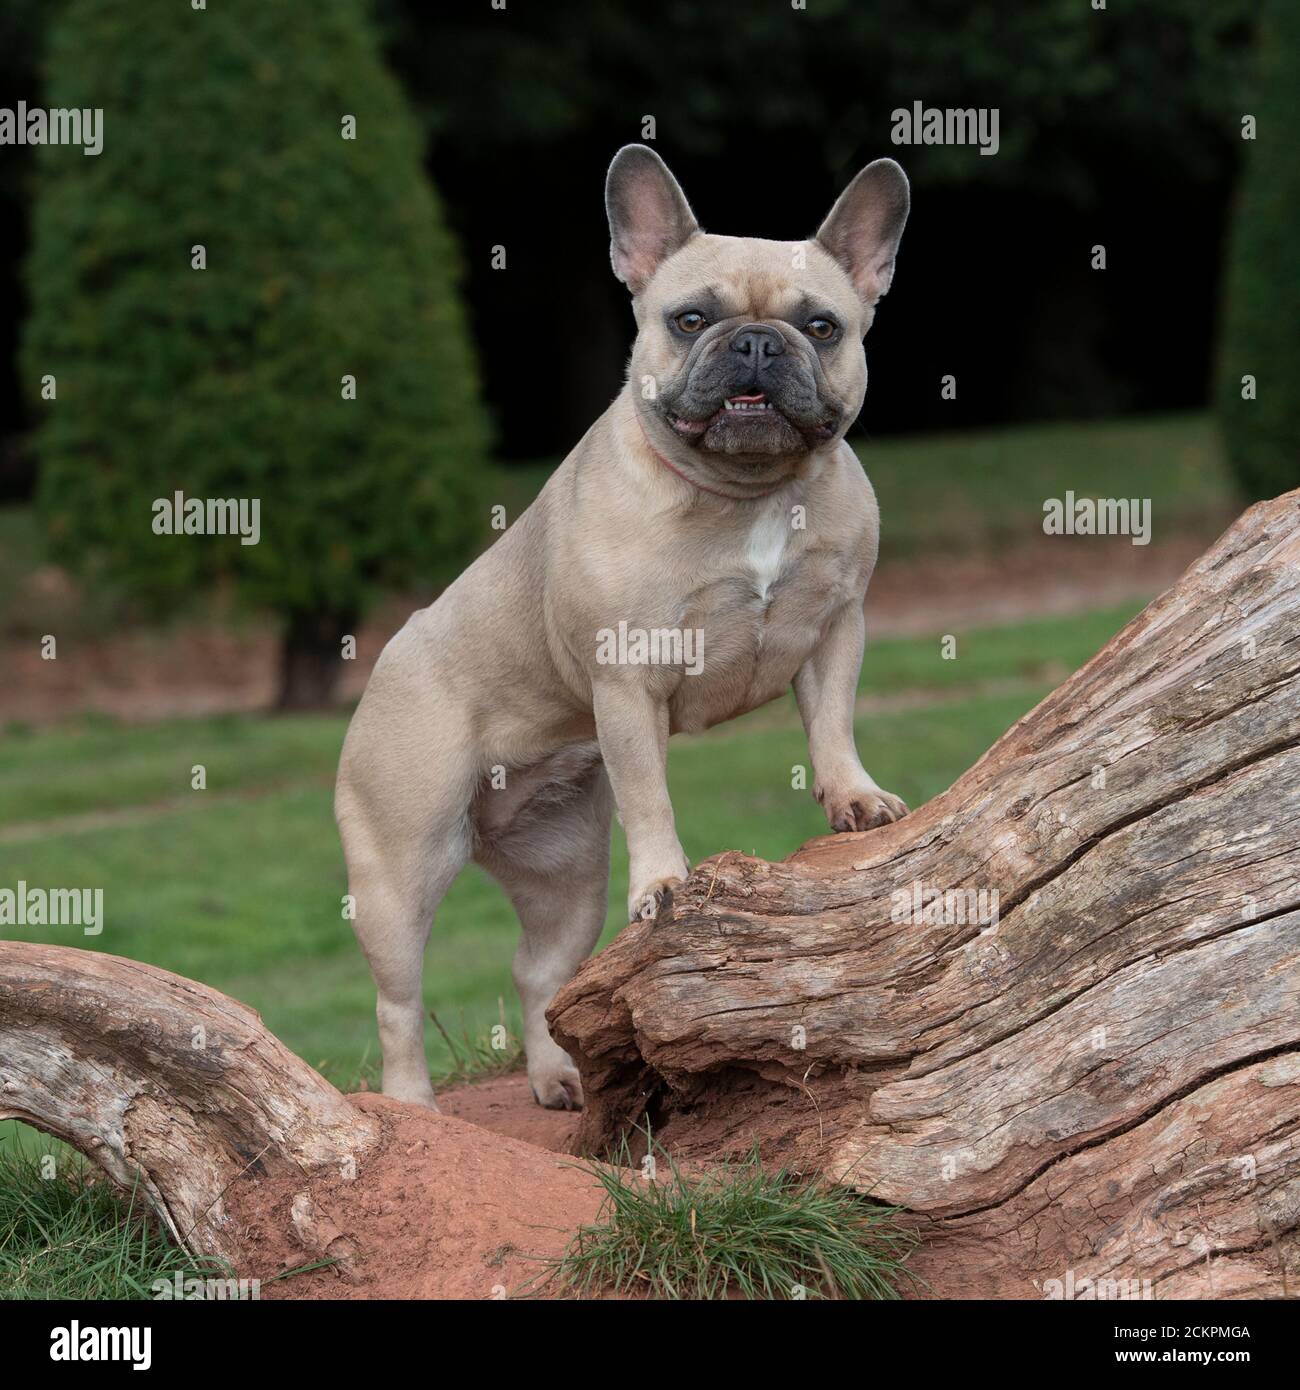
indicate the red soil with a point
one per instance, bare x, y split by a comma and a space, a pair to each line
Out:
443, 1209
505, 1105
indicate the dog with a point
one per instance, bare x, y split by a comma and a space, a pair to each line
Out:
715, 498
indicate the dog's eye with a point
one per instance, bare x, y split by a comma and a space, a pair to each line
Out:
690, 321
821, 329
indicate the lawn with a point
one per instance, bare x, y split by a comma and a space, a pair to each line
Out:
978, 490
239, 885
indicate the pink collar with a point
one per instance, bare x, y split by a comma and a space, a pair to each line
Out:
712, 491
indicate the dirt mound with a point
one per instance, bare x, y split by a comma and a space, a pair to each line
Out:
505, 1105
444, 1209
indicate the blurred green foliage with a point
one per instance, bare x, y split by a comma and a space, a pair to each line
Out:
1160, 79
325, 257
1261, 334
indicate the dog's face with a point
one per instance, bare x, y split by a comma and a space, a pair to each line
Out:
752, 349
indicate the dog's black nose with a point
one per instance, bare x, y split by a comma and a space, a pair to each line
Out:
757, 341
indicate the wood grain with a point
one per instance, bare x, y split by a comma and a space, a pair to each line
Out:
1077, 1081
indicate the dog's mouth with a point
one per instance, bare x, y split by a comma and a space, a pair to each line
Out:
755, 405
752, 414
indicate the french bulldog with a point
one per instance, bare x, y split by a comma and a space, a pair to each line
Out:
707, 545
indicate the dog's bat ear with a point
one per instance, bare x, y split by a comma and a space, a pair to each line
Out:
863, 229
649, 217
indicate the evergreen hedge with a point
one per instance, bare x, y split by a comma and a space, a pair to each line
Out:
326, 257
1261, 333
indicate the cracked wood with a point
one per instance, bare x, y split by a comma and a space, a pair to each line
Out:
1100, 1077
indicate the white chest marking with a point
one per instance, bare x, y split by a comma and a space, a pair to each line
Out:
765, 548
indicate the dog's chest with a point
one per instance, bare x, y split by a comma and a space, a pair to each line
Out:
763, 603
765, 550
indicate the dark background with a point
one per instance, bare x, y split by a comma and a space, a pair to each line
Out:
764, 113
1118, 127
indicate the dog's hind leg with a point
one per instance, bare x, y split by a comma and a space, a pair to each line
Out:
406, 835
555, 869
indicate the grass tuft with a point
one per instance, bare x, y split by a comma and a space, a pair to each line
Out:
734, 1231
476, 1058
74, 1236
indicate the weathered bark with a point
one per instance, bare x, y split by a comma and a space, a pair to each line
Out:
1106, 1078
169, 1085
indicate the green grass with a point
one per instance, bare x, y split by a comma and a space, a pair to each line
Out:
94, 764
1041, 650
733, 1231
982, 489
245, 895
62, 1236
240, 886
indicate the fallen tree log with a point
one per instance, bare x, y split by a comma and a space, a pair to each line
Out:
1089, 1073
250, 1157
166, 1084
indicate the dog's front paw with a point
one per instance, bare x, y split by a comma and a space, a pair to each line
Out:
557, 1086
645, 904
860, 808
